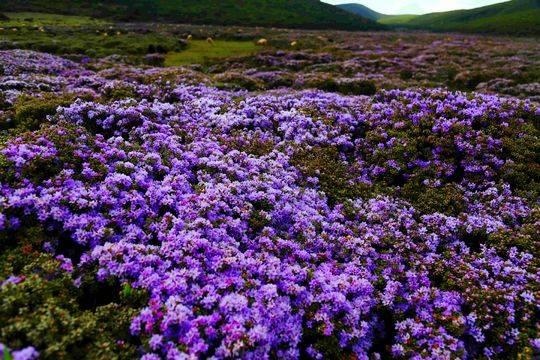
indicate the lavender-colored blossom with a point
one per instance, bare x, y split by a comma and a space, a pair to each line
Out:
29, 353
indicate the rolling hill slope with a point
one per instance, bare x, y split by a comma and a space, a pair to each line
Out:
517, 17
362, 10
311, 14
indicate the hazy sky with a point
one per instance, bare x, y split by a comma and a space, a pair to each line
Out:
416, 6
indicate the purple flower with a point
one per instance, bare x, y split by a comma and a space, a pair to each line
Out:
28, 353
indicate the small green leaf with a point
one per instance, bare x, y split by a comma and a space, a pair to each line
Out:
7, 355
127, 290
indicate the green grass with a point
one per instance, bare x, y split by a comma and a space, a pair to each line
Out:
65, 35
396, 19
96, 43
23, 19
201, 52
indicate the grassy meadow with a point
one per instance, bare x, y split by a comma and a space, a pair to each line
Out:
67, 35
205, 52
32, 19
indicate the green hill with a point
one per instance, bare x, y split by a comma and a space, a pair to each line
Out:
311, 14
517, 17
362, 10
397, 20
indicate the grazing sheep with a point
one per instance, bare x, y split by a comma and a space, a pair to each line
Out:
210, 40
190, 37
262, 42
294, 43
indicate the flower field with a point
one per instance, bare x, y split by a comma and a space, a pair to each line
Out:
334, 203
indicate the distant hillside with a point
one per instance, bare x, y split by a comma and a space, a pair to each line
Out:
311, 14
517, 17
362, 10
397, 20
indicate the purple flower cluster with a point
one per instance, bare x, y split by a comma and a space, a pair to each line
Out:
204, 199
15, 62
34, 74
28, 353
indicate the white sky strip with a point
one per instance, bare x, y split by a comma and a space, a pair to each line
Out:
392, 7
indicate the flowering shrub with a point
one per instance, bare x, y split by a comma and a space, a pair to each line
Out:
65, 315
281, 224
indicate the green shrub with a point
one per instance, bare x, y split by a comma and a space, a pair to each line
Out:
357, 87
350, 87
525, 238
523, 172
468, 81
31, 112
64, 313
258, 219
335, 176
326, 84
47, 47
253, 145
119, 93
156, 49
4, 105
154, 59
62, 320
447, 199
237, 81
328, 346
406, 74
